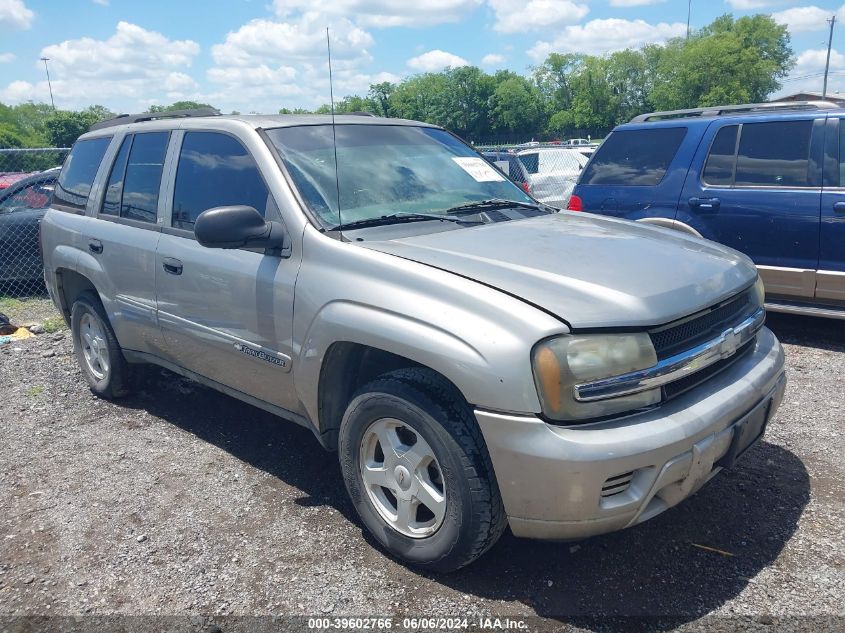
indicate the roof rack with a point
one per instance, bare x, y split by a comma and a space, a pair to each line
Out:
747, 108
125, 119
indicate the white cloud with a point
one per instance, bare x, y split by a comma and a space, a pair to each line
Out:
492, 59
127, 67
5, 58
634, 3
15, 14
513, 16
604, 36
268, 42
813, 61
268, 64
436, 60
808, 74
102, 3
810, 18
382, 13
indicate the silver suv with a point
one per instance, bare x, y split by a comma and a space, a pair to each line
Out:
476, 359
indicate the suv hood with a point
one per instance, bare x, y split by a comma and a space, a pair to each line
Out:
589, 271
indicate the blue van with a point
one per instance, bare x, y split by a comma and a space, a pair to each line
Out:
765, 179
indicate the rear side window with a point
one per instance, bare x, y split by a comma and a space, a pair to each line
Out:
214, 170
143, 176
78, 173
135, 179
531, 162
114, 189
841, 152
634, 157
774, 154
719, 169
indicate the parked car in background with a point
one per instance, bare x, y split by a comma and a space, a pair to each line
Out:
510, 165
552, 172
577, 142
8, 178
765, 179
22, 205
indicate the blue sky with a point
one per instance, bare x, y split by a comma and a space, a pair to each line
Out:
260, 55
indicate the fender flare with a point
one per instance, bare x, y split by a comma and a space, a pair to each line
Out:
396, 333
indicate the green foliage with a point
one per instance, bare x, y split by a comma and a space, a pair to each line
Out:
729, 61
64, 127
179, 105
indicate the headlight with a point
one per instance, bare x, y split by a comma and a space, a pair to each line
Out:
561, 363
759, 292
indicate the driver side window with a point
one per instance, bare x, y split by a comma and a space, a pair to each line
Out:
215, 170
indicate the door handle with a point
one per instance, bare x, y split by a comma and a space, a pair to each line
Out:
95, 246
705, 204
839, 207
172, 266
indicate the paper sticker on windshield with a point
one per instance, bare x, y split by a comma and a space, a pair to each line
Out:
478, 168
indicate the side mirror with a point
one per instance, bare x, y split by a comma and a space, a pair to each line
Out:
237, 227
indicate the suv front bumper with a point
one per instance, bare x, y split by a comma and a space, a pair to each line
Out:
574, 482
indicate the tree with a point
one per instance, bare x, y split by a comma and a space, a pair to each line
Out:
65, 126
180, 105
516, 107
730, 61
379, 95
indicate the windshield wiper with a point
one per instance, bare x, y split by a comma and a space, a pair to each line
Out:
399, 218
494, 203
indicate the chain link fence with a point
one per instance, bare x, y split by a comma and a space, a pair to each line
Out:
546, 171
27, 179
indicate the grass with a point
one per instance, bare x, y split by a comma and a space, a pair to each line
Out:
37, 390
54, 324
9, 304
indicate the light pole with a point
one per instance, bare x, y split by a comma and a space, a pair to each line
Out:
49, 85
689, 12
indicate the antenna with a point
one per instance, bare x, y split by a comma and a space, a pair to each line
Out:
334, 137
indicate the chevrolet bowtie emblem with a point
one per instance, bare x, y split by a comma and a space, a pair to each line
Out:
729, 343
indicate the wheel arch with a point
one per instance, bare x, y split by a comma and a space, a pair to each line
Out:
346, 367
70, 284
669, 223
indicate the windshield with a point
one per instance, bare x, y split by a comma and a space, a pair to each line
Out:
386, 169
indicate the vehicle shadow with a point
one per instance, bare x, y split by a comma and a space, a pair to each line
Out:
827, 334
661, 571
680, 566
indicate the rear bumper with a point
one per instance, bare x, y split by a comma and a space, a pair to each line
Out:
552, 478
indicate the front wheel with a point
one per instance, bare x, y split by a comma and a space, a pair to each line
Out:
418, 472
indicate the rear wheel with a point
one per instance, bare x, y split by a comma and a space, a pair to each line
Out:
97, 350
418, 472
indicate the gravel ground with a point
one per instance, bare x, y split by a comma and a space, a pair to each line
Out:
180, 500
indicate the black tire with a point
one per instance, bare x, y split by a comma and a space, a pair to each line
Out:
475, 517
115, 382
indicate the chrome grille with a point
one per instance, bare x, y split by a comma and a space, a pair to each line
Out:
704, 326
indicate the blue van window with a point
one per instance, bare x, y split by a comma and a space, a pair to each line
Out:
719, 169
774, 154
841, 152
634, 157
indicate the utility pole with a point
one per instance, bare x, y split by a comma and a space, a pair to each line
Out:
832, 21
49, 85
